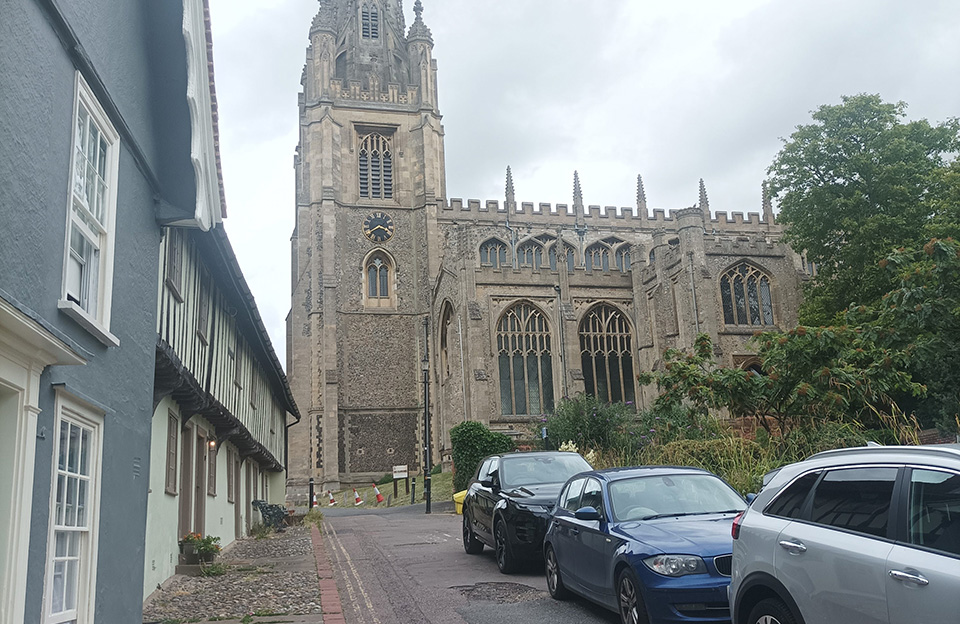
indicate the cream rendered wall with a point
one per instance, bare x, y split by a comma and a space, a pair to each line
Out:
161, 548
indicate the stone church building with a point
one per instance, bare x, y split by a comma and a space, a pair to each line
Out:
524, 303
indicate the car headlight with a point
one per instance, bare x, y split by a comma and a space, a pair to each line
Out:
676, 565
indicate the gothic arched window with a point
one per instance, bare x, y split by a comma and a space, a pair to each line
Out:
378, 281
598, 258
746, 295
369, 21
623, 258
493, 252
376, 167
530, 255
606, 354
526, 365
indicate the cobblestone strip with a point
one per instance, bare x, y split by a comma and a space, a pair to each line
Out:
329, 595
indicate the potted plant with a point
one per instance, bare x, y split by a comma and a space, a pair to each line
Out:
196, 548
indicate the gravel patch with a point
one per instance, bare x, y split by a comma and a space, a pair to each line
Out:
250, 586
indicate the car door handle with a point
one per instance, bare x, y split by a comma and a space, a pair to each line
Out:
793, 547
906, 577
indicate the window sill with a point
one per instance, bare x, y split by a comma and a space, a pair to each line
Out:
174, 290
748, 330
90, 324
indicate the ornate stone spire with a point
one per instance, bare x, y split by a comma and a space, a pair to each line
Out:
419, 30
641, 198
767, 203
704, 201
577, 193
511, 198
326, 17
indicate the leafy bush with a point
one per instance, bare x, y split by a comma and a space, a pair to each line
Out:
588, 422
437, 469
740, 461
386, 479
471, 442
668, 423
260, 531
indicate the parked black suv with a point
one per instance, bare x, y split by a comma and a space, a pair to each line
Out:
509, 501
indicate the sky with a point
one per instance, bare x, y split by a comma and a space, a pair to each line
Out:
674, 91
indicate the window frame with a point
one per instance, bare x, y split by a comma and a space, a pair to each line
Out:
387, 270
173, 265
69, 409
601, 327
172, 454
727, 290
231, 476
97, 321
525, 361
212, 453
905, 526
376, 174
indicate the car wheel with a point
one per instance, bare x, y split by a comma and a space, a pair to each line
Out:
771, 611
505, 558
554, 582
471, 544
629, 601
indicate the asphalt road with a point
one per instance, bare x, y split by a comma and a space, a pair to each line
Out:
402, 566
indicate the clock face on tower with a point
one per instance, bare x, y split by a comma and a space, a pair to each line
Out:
378, 227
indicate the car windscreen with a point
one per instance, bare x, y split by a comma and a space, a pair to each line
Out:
658, 496
539, 469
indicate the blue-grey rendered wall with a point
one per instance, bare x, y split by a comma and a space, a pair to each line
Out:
37, 77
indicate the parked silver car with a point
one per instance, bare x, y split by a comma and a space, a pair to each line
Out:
861, 536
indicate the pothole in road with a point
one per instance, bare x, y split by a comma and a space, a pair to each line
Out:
502, 593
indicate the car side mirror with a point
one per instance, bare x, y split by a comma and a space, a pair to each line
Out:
750, 497
587, 513
487, 483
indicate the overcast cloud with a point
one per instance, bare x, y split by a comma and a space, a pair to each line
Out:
675, 91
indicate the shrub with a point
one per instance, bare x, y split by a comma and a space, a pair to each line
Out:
472, 442
386, 479
260, 531
588, 422
741, 462
437, 469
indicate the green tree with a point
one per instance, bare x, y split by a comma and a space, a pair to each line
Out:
810, 375
921, 317
853, 185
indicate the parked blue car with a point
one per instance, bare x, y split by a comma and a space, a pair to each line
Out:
652, 543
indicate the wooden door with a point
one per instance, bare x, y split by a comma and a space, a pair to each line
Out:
200, 483
237, 524
186, 481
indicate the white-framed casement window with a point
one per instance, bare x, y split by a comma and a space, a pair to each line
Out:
70, 578
91, 216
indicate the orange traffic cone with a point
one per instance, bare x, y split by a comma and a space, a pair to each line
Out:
314, 500
333, 501
356, 498
377, 492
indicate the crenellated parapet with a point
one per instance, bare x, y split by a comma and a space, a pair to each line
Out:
545, 212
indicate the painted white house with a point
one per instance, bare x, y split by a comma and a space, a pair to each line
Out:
222, 403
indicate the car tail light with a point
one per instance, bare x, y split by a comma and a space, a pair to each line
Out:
735, 527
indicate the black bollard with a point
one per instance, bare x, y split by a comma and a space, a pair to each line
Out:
413, 491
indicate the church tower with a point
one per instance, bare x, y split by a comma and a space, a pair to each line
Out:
370, 177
